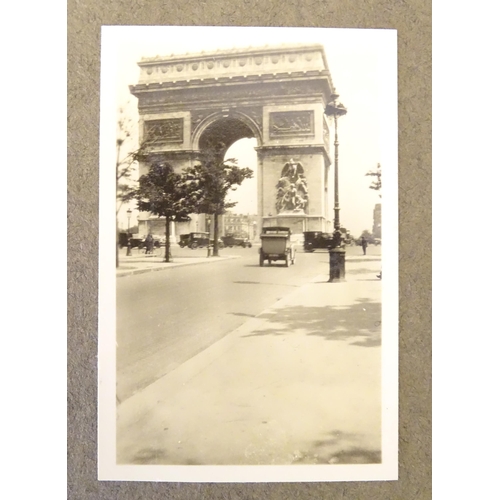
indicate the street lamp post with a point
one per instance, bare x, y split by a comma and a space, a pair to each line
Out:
337, 253
129, 245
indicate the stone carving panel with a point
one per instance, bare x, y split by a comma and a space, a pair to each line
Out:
169, 131
291, 124
292, 195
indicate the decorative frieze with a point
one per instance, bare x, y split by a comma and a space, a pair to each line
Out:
266, 60
291, 124
168, 131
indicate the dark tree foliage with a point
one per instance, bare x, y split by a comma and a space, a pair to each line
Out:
211, 180
377, 182
165, 193
127, 157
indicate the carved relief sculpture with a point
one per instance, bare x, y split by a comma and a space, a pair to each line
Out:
164, 131
292, 194
291, 123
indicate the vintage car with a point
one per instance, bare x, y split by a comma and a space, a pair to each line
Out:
317, 239
194, 240
276, 245
136, 241
197, 240
233, 241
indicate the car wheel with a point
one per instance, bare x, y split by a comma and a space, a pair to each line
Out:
194, 245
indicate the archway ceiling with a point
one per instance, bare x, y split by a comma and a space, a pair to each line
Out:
226, 131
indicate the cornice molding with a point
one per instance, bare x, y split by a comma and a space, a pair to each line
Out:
224, 65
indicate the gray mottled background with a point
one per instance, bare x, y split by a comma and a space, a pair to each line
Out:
412, 19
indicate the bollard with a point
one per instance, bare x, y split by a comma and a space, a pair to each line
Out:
129, 249
337, 265
209, 251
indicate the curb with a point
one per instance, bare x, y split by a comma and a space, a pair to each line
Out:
120, 274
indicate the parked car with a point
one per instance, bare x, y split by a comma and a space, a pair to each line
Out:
136, 241
317, 239
233, 241
194, 240
221, 243
199, 239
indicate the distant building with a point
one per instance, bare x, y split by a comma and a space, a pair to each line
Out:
377, 221
240, 225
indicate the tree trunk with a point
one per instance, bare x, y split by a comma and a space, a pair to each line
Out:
167, 239
216, 235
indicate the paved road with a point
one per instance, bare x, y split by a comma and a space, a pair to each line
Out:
167, 317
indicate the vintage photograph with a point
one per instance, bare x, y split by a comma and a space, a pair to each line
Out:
248, 281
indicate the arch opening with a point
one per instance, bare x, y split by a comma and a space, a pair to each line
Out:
234, 137
220, 135
246, 195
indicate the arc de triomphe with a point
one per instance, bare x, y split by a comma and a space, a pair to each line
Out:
275, 94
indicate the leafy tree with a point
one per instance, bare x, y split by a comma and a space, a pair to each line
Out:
128, 154
212, 179
377, 182
167, 194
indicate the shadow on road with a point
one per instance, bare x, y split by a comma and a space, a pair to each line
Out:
244, 315
360, 322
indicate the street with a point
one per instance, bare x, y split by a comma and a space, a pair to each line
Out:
227, 362
165, 318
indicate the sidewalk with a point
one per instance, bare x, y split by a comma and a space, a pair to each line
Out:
139, 263
298, 384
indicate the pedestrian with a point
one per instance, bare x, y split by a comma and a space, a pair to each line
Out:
364, 244
149, 243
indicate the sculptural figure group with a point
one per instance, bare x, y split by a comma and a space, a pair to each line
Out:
292, 193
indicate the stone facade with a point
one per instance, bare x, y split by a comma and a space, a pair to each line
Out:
244, 225
275, 94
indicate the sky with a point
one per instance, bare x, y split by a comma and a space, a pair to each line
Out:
362, 66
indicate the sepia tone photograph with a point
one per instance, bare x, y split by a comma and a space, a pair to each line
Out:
248, 251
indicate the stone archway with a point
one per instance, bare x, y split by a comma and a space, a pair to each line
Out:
274, 94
